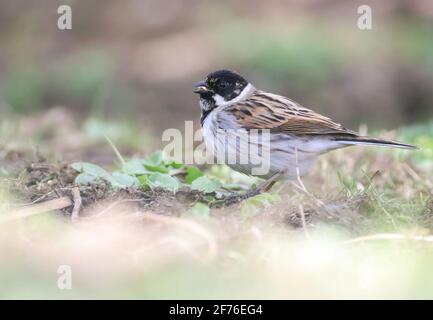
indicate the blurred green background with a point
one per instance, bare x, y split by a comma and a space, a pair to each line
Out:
128, 66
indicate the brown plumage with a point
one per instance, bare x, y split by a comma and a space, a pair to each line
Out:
263, 110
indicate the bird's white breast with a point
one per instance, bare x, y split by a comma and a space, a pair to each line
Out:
287, 153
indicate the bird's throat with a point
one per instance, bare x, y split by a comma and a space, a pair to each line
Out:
204, 115
207, 104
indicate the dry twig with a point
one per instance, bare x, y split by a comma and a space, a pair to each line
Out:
35, 209
77, 203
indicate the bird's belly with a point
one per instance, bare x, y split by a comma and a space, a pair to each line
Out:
253, 158
279, 162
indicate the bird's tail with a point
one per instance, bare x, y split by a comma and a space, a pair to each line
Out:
374, 142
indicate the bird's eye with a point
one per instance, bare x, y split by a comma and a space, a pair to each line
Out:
223, 84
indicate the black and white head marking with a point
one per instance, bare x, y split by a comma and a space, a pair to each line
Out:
220, 88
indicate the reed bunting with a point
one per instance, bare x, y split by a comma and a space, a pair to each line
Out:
296, 136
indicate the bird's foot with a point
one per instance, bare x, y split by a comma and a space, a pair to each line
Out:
263, 187
236, 198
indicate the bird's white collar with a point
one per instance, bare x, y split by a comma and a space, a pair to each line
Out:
220, 101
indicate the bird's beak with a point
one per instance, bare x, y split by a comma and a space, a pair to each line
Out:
201, 87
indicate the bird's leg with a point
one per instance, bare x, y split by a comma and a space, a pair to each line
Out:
263, 187
267, 184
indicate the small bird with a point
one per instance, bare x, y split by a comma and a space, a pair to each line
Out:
296, 135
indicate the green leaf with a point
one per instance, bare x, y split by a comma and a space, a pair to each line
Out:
122, 180
176, 165
85, 178
164, 181
200, 209
156, 168
91, 169
144, 182
205, 184
134, 167
155, 159
156, 163
192, 173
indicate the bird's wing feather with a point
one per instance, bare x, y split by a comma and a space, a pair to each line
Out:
264, 110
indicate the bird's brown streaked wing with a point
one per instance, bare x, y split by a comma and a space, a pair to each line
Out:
264, 110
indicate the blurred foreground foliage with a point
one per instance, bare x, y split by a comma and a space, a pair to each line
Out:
364, 235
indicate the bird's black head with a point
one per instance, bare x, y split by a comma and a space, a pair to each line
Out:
218, 88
